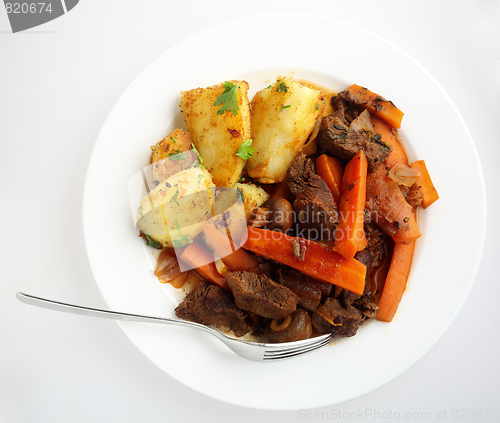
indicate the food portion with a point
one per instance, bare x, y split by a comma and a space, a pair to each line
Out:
218, 120
284, 114
180, 201
283, 216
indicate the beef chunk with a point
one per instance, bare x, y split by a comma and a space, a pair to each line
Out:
209, 304
332, 317
259, 294
346, 106
340, 140
337, 139
308, 289
298, 327
367, 307
316, 213
301, 175
372, 257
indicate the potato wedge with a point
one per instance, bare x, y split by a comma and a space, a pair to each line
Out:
283, 116
175, 211
177, 142
217, 134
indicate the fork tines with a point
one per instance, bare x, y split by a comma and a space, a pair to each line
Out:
288, 352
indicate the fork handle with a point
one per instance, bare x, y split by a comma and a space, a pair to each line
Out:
96, 312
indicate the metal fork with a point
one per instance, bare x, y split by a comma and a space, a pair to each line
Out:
256, 351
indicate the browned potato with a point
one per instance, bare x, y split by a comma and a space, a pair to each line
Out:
218, 130
178, 141
175, 142
283, 116
328, 95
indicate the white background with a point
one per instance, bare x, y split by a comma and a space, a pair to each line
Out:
59, 81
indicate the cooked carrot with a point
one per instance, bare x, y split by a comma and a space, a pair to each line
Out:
390, 136
313, 259
388, 207
331, 171
235, 258
396, 281
281, 191
378, 105
424, 184
350, 235
202, 261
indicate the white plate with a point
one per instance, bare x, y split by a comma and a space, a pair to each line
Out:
334, 54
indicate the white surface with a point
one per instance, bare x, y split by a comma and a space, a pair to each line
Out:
148, 110
58, 83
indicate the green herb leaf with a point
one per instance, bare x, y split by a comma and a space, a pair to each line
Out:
287, 106
183, 240
245, 150
173, 139
228, 100
152, 243
200, 159
282, 88
239, 196
177, 156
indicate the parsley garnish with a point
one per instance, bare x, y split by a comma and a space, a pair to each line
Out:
152, 243
173, 139
287, 106
245, 150
177, 155
200, 159
282, 88
239, 196
184, 239
228, 100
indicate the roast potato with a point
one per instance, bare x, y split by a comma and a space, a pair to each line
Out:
174, 212
177, 142
218, 134
283, 116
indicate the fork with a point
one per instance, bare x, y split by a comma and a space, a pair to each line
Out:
256, 351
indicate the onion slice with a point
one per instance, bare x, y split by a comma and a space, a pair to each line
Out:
167, 268
403, 174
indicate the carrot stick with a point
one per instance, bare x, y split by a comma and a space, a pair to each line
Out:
202, 261
425, 185
396, 280
390, 136
313, 259
378, 105
235, 258
331, 171
350, 235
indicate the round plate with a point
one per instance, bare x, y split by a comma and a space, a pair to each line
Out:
334, 54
